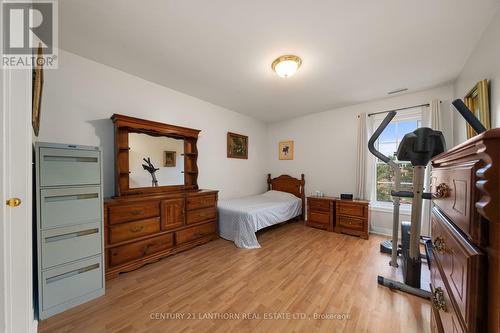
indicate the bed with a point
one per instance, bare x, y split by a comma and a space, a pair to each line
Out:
241, 218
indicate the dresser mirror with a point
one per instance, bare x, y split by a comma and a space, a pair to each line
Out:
153, 157
155, 160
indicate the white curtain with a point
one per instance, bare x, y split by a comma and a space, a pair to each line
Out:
431, 117
362, 151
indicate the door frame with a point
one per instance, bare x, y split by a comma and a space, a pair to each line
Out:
16, 247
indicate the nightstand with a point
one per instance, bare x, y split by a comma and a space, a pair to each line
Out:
321, 212
352, 217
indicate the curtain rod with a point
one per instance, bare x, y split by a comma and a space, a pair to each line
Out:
400, 109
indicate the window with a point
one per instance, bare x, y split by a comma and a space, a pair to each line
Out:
388, 144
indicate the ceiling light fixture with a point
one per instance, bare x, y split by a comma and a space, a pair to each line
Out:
285, 66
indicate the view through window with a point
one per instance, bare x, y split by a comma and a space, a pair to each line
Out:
388, 144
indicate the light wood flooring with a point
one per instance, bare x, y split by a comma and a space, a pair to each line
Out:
299, 272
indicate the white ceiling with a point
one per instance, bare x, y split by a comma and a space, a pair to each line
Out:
221, 50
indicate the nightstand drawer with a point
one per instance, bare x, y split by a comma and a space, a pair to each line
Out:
319, 217
351, 223
351, 209
319, 205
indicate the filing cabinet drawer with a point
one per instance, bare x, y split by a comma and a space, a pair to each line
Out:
68, 282
63, 245
69, 167
138, 211
70, 206
200, 215
195, 202
193, 233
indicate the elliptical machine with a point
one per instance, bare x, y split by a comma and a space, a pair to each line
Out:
418, 147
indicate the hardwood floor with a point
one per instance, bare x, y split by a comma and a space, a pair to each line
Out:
298, 272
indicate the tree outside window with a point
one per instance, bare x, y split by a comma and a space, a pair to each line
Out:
388, 144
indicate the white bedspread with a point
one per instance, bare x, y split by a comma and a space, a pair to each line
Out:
240, 218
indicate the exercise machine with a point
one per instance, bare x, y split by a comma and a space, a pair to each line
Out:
417, 147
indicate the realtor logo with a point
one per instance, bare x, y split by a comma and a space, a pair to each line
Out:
28, 26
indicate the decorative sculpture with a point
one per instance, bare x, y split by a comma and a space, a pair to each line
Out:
149, 167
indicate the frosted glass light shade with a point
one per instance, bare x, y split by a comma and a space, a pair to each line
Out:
286, 66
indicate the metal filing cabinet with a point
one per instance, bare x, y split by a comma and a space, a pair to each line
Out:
70, 238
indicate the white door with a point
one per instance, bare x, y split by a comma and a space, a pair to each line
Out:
16, 291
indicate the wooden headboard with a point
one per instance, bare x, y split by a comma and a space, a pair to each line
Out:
286, 183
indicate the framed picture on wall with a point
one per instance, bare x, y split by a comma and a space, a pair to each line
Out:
169, 160
477, 100
285, 150
237, 146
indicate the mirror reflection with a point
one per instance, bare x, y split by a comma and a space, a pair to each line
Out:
155, 160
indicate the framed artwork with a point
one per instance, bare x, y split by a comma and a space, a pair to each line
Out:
285, 150
237, 146
477, 100
169, 160
37, 89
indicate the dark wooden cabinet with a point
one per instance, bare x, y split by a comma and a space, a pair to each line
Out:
465, 231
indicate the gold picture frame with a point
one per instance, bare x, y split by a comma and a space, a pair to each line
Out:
169, 160
237, 146
285, 150
37, 89
477, 100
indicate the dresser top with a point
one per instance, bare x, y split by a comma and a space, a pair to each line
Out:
313, 197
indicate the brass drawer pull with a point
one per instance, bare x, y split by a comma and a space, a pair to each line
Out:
439, 245
442, 191
136, 212
137, 228
438, 301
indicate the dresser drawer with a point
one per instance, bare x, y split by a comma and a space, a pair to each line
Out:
195, 202
129, 252
319, 205
69, 167
453, 192
138, 211
442, 306
201, 215
463, 267
193, 233
350, 222
351, 209
62, 245
69, 206
319, 217
130, 230
66, 283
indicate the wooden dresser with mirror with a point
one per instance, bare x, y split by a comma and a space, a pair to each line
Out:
153, 217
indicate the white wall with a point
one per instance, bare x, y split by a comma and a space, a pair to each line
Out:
483, 63
325, 145
153, 147
80, 97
